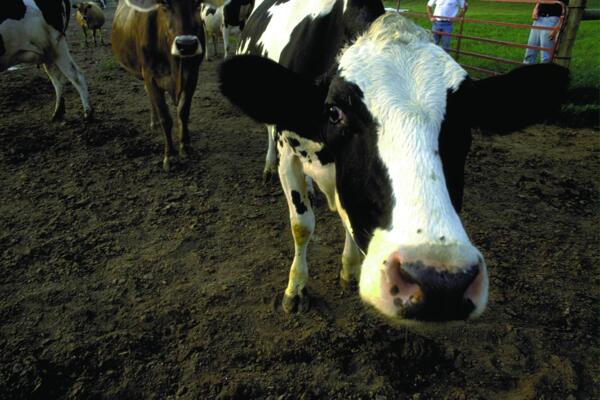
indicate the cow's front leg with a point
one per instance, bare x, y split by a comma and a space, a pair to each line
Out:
183, 113
85, 36
157, 100
271, 159
225, 31
302, 221
351, 262
215, 40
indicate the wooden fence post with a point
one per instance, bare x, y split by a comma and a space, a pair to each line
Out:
567, 37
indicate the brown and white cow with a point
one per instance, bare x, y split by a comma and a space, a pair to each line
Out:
33, 32
162, 42
89, 16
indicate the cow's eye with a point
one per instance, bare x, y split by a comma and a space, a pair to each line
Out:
335, 114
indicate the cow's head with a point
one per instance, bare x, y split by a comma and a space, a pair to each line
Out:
184, 28
395, 114
83, 9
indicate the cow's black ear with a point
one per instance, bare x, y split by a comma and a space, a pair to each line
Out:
272, 94
526, 95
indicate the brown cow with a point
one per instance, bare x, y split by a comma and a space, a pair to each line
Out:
162, 42
90, 16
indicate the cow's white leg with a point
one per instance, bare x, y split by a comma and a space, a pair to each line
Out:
215, 40
351, 261
67, 66
225, 41
271, 160
58, 81
302, 221
207, 36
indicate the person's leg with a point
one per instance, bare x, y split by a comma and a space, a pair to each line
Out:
545, 40
435, 27
534, 40
446, 28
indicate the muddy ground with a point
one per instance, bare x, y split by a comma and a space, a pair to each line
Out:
118, 281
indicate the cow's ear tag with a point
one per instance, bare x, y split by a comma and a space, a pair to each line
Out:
142, 5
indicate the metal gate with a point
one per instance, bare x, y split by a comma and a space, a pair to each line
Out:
460, 22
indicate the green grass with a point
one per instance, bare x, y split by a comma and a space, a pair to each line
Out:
585, 71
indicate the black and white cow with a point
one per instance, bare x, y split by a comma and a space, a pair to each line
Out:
33, 32
235, 15
379, 117
212, 20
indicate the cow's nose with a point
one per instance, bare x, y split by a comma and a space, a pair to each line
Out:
425, 291
187, 45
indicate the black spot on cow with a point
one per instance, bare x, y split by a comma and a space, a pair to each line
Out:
2, 48
12, 9
211, 11
324, 156
297, 200
231, 12
293, 142
362, 180
303, 153
56, 13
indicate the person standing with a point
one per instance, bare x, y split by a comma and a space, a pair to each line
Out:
445, 12
547, 15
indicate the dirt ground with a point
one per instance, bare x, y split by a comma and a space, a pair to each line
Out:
119, 281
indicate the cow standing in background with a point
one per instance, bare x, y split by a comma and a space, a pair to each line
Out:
235, 15
212, 19
380, 118
90, 16
33, 32
162, 42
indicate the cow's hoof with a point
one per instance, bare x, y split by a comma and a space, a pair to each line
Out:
88, 114
298, 303
184, 153
348, 285
166, 164
59, 113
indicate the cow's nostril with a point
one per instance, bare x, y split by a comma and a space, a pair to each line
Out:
424, 292
187, 45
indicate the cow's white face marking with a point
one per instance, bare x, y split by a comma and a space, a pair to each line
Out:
404, 79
